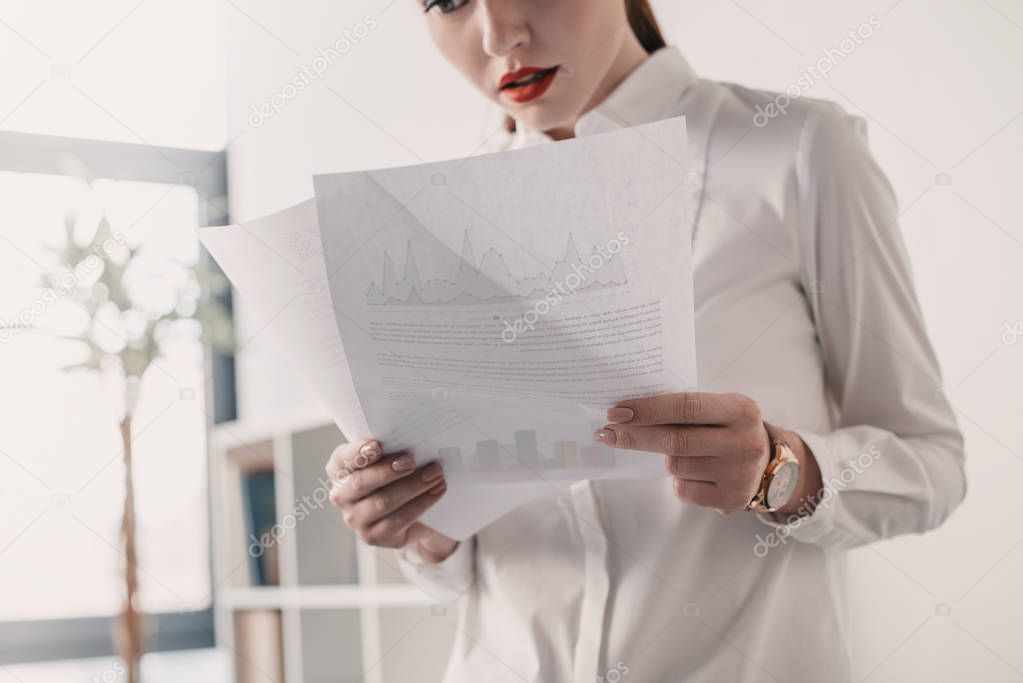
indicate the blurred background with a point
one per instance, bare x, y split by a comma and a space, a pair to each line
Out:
132, 123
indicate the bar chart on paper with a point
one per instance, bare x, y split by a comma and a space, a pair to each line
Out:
523, 455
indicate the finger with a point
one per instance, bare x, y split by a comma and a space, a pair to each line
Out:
433, 545
722, 498
693, 407
418, 533
392, 530
696, 469
351, 456
736, 479
350, 486
670, 440
701, 493
389, 498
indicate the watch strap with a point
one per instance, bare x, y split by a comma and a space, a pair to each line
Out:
757, 502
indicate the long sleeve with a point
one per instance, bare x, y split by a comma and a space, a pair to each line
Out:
895, 462
445, 581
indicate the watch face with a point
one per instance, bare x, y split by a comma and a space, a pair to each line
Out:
782, 485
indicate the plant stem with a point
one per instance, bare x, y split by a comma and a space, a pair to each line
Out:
130, 628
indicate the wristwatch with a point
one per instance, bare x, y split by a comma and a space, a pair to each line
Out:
780, 477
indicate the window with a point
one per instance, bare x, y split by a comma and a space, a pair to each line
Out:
112, 88
61, 474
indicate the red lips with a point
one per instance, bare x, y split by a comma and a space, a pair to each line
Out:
527, 83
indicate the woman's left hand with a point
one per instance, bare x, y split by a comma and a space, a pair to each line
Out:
715, 446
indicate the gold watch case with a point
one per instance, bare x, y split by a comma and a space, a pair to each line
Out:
779, 480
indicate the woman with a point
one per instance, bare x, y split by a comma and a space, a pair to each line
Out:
821, 425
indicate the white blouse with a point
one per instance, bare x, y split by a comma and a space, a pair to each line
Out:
804, 302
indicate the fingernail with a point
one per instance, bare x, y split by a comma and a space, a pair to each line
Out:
370, 450
432, 471
403, 463
605, 436
438, 489
620, 415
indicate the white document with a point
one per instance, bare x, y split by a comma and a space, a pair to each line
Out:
486, 312
277, 265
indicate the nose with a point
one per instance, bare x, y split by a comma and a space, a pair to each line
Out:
504, 28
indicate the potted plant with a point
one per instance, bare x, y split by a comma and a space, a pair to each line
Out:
98, 273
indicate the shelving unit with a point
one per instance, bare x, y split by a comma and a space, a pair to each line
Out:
345, 611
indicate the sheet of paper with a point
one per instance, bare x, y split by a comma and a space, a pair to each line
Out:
485, 312
276, 264
492, 308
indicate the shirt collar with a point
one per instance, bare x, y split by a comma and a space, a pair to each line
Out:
650, 93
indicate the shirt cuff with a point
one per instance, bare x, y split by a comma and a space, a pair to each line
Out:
818, 525
444, 581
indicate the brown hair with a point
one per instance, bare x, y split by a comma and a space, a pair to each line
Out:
642, 22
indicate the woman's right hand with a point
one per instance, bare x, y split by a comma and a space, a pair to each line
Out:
381, 497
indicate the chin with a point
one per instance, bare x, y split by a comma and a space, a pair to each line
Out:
541, 116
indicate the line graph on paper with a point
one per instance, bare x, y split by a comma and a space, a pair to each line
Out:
489, 279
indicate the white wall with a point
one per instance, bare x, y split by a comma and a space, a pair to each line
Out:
940, 86
389, 101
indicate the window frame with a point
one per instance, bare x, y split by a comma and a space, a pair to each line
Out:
206, 171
